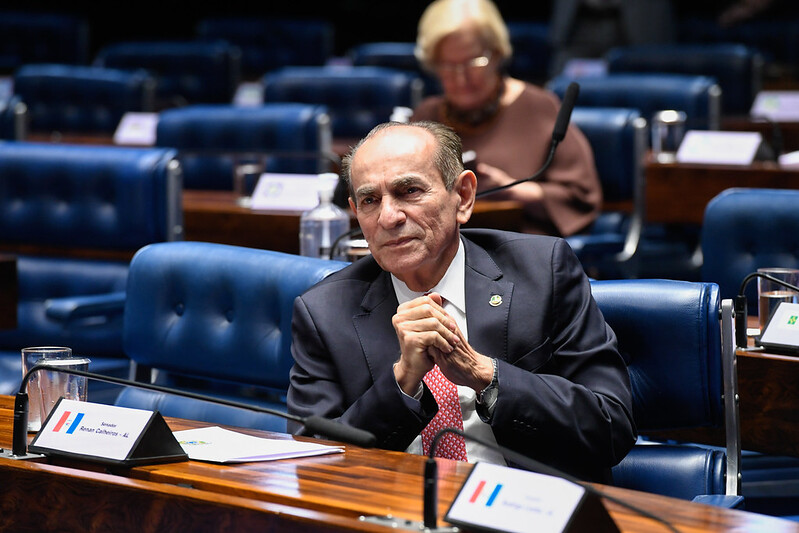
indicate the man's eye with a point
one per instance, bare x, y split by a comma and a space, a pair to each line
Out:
367, 201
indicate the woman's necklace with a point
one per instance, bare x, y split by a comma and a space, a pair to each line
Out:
475, 118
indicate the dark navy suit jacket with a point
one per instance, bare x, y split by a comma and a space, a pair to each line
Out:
564, 392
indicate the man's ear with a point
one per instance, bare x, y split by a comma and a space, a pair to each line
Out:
466, 188
352, 205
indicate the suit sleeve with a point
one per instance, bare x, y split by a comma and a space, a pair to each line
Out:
319, 387
574, 412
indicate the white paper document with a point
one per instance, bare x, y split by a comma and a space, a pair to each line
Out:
719, 147
219, 445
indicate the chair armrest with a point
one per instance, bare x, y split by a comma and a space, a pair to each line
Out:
721, 500
81, 307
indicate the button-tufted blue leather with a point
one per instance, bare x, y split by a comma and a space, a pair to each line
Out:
357, 98
81, 99
209, 137
234, 328
746, 229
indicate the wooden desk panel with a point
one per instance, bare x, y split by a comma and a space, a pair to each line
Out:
214, 216
325, 493
679, 192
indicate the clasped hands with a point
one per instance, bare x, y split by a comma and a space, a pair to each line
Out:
429, 336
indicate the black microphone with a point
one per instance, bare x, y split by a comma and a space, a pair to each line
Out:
558, 133
740, 306
430, 488
318, 425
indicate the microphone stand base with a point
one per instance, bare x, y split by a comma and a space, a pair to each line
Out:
6, 453
402, 524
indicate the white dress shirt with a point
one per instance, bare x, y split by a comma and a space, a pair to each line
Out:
452, 289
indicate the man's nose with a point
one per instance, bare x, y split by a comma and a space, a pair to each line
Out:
391, 213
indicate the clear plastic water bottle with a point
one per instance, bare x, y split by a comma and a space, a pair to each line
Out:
321, 226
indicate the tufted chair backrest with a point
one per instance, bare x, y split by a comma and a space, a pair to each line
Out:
746, 229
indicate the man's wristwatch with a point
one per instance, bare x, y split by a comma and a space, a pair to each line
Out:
489, 394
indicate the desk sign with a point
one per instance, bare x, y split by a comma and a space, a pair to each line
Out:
498, 498
719, 147
779, 106
107, 434
781, 333
286, 192
136, 129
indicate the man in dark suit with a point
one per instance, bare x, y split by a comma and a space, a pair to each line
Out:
508, 318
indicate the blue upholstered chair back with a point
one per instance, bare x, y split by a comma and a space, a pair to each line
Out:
394, 55
746, 229
81, 99
357, 98
212, 138
186, 72
532, 50
669, 333
74, 215
737, 68
698, 96
270, 43
618, 139
40, 37
217, 313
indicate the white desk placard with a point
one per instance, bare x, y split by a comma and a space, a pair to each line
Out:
136, 129
779, 106
781, 333
719, 147
107, 433
286, 192
498, 498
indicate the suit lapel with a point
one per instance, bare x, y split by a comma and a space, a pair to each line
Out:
373, 324
488, 300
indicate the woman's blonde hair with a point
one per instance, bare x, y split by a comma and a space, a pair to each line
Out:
444, 17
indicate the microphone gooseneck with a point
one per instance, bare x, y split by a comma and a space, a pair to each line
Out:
533, 465
558, 133
322, 426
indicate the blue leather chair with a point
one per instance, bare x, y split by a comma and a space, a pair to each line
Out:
618, 140
745, 229
676, 337
74, 215
212, 138
532, 50
737, 68
13, 119
270, 43
186, 72
42, 37
395, 55
215, 319
81, 99
698, 96
357, 98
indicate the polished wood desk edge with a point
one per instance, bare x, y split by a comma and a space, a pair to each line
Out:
686, 516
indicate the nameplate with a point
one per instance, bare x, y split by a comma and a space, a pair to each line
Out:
498, 498
781, 333
136, 129
779, 106
719, 147
106, 433
286, 192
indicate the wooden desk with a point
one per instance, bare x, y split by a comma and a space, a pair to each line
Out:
314, 494
214, 216
8, 291
679, 192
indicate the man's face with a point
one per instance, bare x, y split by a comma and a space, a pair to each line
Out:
407, 216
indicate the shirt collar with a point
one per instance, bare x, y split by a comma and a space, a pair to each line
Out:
451, 287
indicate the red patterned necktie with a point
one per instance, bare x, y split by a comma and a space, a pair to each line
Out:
450, 445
